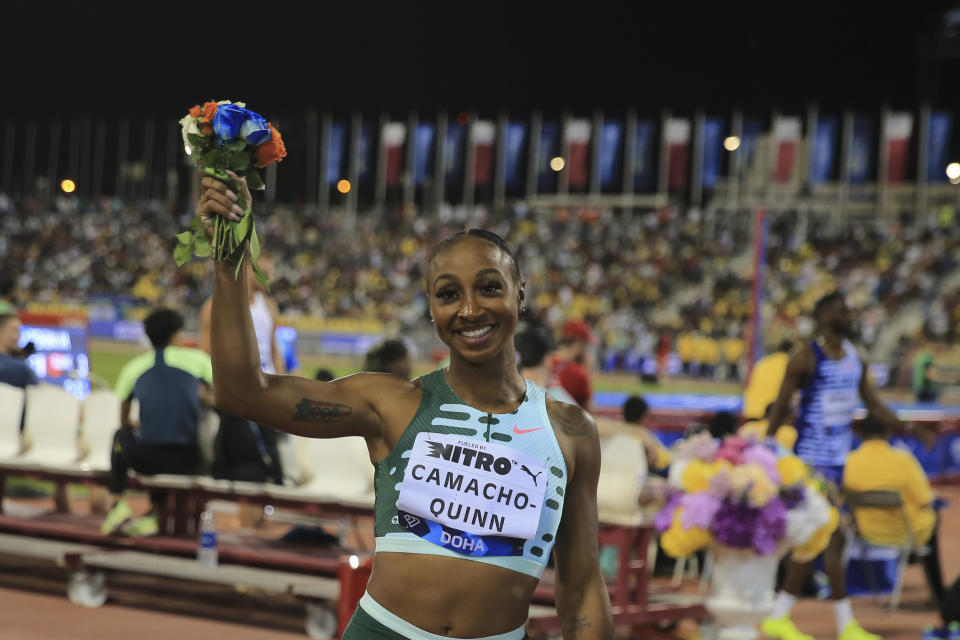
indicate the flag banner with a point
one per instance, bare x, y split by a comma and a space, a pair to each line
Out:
366, 160
453, 152
821, 155
787, 133
578, 145
547, 149
861, 151
678, 153
484, 133
644, 160
897, 128
334, 147
423, 152
749, 136
938, 146
515, 139
394, 135
608, 155
712, 150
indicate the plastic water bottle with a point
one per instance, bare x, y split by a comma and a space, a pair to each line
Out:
953, 631
207, 550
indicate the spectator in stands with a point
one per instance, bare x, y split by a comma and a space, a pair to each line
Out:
876, 465
533, 345
390, 356
658, 456
170, 383
572, 362
765, 380
928, 377
13, 370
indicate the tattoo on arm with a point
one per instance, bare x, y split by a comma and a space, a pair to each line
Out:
314, 411
577, 626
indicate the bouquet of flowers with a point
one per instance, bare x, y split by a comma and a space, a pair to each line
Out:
743, 494
220, 137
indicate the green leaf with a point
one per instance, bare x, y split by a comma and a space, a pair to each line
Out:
182, 254
241, 229
184, 238
240, 161
254, 244
196, 224
216, 159
254, 182
201, 247
196, 139
234, 146
236, 272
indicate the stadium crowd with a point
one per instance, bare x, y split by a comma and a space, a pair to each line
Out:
650, 283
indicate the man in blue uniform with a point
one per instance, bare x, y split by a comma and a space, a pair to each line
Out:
832, 381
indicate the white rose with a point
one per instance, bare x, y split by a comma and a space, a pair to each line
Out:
189, 125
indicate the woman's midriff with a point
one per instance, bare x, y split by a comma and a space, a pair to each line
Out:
449, 596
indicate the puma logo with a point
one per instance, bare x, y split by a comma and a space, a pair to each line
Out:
523, 467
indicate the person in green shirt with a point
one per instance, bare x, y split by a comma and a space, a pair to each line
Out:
170, 383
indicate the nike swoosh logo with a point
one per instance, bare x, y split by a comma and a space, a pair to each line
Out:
520, 432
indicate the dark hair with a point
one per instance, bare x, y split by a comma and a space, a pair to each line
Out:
825, 302
785, 346
634, 409
532, 345
161, 325
383, 354
324, 375
723, 424
483, 234
872, 427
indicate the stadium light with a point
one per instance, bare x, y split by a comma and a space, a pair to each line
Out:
68, 186
343, 186
557, 164
953, 171
731, 143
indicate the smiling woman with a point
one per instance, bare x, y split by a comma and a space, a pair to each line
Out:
468, 505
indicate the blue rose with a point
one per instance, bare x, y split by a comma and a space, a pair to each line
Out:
255, 129
228, 121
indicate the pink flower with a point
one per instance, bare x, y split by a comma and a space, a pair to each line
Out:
732, 449
765, 457
700, 446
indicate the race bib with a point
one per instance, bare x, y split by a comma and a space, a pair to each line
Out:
471, 487
839, 407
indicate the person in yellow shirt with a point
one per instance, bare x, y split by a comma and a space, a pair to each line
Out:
686, 349
757, 428
765, 380
733, 350
877, 465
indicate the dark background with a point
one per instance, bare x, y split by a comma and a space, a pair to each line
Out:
158, 58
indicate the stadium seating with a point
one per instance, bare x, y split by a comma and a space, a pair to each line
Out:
623, 468
101, 419
342, 474
50, 426
11, 411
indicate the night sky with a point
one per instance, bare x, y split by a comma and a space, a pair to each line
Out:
68, 59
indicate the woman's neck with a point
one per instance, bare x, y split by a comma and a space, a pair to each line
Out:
495, 385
